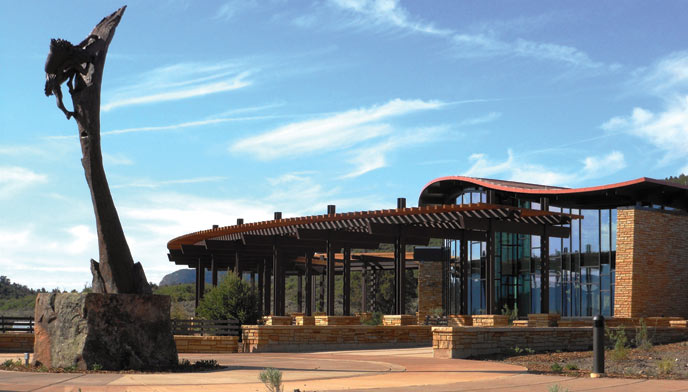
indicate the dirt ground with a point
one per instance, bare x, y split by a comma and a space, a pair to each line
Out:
668, 361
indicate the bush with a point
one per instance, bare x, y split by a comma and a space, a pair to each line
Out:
557, 388
665, 366
231, 299
555, 367
375, 319
642, 338
619, 342
571, 366
272, 378
512, 314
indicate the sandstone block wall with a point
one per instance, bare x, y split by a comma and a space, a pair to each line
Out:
399, 319
337, 320
16, 342
277, 338
651, 263
463, 342
429, 286
490, 320
206, 344
23, 343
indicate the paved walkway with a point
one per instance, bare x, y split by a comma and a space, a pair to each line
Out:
370, 370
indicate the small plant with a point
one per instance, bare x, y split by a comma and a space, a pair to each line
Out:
619, 342
375, 319
526, 350
665, 366
272, 378
511, 314
437, 312
9, 364
70, 369
642, 338
557, 388
556, 368
571, 366
96, 367
206, 364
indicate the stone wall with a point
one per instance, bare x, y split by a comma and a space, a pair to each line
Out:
464, 342
399, 319
429, 286
337, 320
651, 263
23, 343
277, 338
206, 344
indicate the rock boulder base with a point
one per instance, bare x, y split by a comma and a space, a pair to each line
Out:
114, 331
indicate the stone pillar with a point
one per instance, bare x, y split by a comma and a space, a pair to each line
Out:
651, 263
429, 286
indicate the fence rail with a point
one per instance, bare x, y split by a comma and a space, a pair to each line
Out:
206, 327
179, 327
16, 324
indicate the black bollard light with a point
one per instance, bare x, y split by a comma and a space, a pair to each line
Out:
597, 346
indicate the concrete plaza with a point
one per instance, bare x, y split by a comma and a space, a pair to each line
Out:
375, 370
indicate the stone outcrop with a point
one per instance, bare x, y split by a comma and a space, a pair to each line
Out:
114, 331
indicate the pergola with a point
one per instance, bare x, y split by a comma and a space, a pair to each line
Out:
327, 244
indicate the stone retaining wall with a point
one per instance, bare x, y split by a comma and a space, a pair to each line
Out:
23, 343
277, 338
16, 342
206, 344
463, 342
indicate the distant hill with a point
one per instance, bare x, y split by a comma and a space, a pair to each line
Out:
187, 275
16, 299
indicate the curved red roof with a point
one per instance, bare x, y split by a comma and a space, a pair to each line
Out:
644, 190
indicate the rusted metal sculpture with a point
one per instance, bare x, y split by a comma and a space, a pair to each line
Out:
81, 66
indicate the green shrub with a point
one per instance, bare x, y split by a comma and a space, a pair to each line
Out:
557, 388
272, 378
555, 367
375, 319
619, 343
231, 299
512, 314
571, 366
96, 367
642, 338
665, 366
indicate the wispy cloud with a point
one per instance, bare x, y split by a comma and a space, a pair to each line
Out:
179, 81
231, 8
117, 159
374, 157
14, 179
488, 45
188, 124
516, 169
150, 184
382, 13
337, 131
484, 43
667, 128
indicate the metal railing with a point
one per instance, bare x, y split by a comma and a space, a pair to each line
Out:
206, 327
179, 327
16, 324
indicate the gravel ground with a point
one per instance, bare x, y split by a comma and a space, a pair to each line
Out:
668, 361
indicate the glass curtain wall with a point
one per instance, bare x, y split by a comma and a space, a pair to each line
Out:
582, 267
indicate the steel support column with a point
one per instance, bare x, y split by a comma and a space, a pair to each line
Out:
490, 266
299, 292
213, 269
465, 267
347, 282
261, 278
267, 282
309, 284
544, 273
330, 279
364, 287
321, 304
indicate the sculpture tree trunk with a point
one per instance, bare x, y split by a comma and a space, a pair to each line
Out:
116, 272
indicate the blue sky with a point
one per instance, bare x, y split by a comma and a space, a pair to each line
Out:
213, 111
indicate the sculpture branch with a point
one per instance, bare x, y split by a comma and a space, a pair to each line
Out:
81, 66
